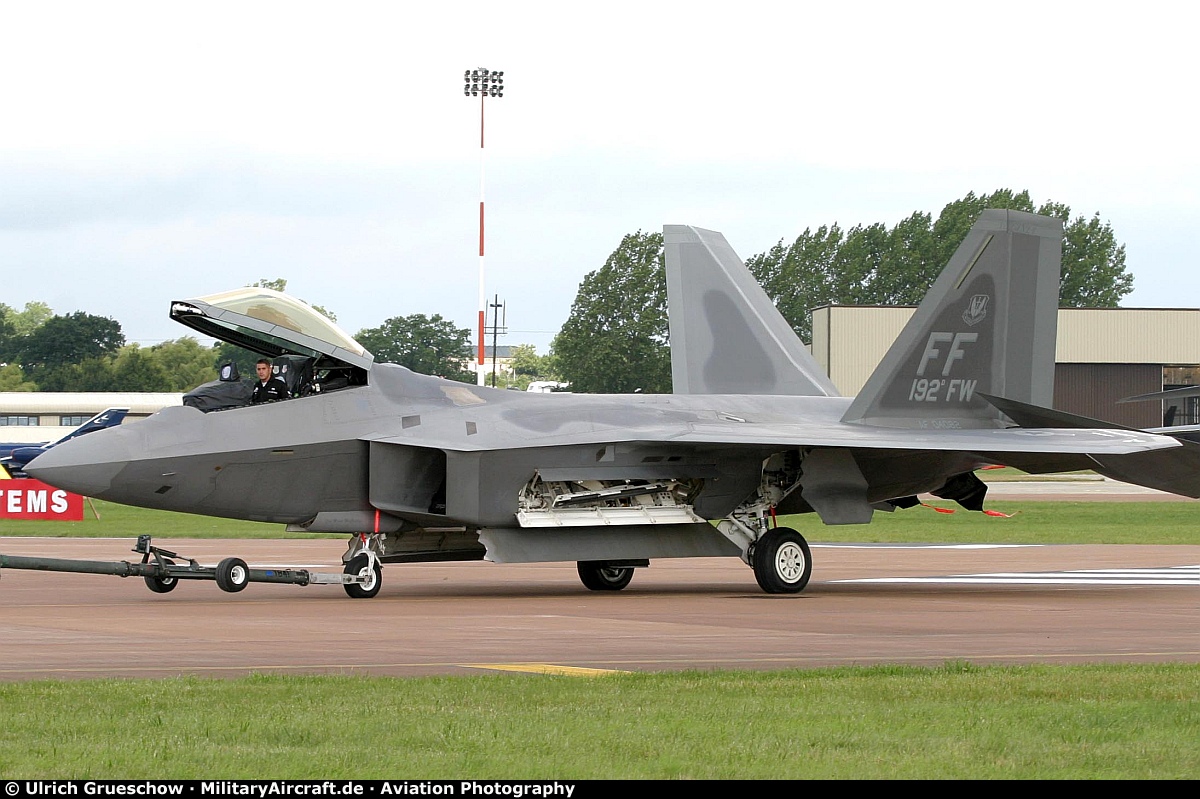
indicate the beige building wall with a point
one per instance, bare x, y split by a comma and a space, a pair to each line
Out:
853, 339
50, 406
850, 341
1166, 336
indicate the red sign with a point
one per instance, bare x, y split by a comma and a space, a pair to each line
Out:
31, 499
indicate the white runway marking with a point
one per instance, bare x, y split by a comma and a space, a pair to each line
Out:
1168, 575
922, 546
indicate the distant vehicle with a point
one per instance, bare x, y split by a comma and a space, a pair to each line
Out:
548, 386
20, 454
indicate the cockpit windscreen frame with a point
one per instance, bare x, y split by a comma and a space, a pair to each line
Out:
278, 326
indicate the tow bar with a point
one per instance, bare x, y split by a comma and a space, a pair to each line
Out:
159, 569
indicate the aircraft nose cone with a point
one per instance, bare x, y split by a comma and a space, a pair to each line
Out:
84, 465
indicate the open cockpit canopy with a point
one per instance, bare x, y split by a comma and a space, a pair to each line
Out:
270, 323
279, 327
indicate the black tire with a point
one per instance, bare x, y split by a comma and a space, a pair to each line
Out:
232, 575
599, 576
162, 585
358, 565
782, 561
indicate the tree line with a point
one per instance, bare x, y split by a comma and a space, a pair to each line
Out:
616, 339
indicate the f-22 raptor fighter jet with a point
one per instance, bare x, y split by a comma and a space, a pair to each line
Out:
418, 468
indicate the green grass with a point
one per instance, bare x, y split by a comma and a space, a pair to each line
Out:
1006, 474
1032, 522
109, 520
951, 722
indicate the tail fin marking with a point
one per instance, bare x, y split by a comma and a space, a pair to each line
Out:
987, 325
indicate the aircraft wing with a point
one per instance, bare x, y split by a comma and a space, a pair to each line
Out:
1174, 393
591, 422
1009, 440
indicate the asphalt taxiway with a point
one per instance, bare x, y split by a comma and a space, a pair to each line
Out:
866, 604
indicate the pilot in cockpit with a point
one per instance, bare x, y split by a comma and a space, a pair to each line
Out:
268, 387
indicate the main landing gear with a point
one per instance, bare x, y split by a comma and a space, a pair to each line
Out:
603, 576
779, 556
781, 561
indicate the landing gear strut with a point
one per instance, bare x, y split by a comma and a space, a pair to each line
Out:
779, 556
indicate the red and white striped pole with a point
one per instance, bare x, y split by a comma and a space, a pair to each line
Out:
482, 83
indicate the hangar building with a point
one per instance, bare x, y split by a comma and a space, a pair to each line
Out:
1103, 355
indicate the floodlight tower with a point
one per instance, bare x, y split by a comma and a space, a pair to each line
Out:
483, 84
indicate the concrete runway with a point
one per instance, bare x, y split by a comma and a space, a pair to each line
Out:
866, 604
1079, 489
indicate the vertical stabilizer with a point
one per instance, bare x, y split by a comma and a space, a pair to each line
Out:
987, 326
727, 337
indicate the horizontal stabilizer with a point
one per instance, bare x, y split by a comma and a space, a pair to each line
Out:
1026, 415
1191, 432
1170, 394
1174, 469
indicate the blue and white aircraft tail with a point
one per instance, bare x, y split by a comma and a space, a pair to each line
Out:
15, 461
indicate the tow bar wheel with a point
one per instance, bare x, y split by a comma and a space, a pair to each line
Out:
367, 567
162, 585
232, 575
782, 563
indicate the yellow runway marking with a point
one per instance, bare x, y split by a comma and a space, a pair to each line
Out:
544, 668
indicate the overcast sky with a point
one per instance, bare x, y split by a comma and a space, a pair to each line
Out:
158, 151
